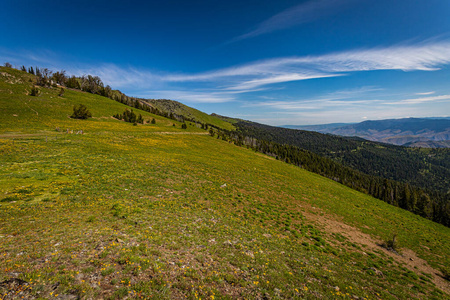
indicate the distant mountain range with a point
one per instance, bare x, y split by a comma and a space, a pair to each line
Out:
411, 132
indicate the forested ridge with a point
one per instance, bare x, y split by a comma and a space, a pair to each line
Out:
425, 168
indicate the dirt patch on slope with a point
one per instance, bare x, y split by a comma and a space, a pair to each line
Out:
407, 257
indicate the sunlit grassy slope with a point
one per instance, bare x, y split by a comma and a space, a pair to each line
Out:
149, 211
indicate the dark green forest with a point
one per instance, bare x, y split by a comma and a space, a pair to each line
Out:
422, 167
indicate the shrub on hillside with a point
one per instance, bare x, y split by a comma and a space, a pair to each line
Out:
34, 91
81, 112
392, 244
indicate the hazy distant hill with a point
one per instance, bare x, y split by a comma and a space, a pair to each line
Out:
411, 132
318, 128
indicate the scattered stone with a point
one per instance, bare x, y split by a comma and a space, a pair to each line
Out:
277, 292
14, 274
14, 288
212, 241
250, 253
94, 285
223, 185
377, 272
227, 243
54, 286
79, 277
14, 281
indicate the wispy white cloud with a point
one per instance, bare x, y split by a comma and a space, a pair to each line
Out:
313, 104
426, 93
423, 57
299, 14
422, 100
350, 103
255, 83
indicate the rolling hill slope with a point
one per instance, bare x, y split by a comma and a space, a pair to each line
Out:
157, 211
175, 107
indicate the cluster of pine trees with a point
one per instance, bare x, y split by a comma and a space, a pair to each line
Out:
129, 116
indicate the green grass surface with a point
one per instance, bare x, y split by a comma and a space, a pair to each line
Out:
151, 212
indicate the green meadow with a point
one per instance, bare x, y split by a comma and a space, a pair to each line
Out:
155, 211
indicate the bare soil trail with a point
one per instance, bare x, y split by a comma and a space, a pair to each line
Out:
407, 257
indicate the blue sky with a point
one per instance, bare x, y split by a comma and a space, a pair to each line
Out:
275, 62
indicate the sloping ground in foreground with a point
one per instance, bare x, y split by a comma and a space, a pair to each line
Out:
145, 214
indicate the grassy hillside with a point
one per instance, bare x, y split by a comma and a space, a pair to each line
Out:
154, 211
178, 108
